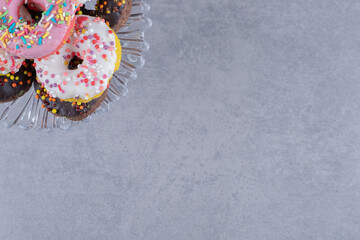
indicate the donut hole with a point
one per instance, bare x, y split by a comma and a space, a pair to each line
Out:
90, 6
31, 12
74, 63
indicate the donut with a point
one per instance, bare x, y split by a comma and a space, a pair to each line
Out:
16, 84
115, 12
9, 63
25, 38
74, 111
73, 81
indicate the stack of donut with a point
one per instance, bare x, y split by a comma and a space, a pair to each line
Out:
68, 51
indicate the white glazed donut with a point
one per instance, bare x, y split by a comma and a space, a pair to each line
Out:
9, 63
99, 48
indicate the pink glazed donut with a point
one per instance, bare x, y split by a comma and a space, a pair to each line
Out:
22, 37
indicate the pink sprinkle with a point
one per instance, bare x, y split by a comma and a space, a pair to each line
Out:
66, 73
80, 20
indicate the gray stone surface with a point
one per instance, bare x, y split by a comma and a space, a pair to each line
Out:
244, 124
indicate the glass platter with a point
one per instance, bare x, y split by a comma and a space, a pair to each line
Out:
26, 112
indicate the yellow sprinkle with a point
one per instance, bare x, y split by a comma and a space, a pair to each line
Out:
46, 34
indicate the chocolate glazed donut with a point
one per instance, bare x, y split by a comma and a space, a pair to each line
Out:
71, 110
115, 12
14, 85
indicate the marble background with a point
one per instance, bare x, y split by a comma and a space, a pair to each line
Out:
244, 124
